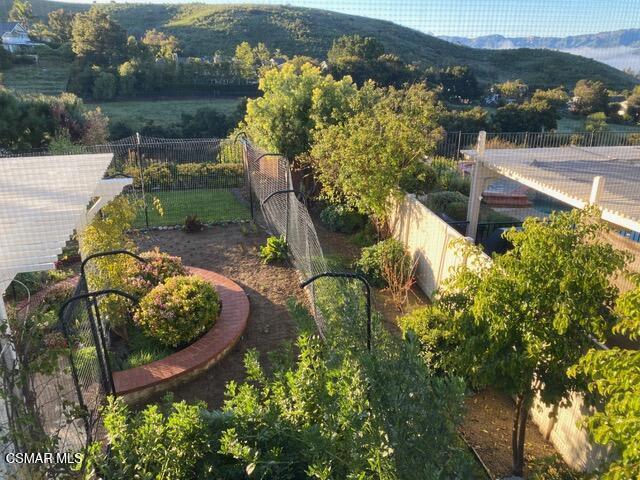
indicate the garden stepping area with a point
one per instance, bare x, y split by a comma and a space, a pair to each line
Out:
232, 250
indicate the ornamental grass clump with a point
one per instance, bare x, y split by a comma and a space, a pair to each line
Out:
159, 266
179, 310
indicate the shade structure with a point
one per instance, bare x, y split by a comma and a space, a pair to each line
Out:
42, 201
567, 174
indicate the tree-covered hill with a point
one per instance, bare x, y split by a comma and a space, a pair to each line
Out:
204, 29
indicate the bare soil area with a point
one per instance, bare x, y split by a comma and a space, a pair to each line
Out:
232, 250
487, 428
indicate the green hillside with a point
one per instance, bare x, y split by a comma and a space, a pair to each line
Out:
204, 29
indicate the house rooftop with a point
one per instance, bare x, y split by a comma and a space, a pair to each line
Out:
7, 27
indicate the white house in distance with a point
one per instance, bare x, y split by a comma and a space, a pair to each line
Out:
14, 36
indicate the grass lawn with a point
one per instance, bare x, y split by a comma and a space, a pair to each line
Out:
49, 77
575, 124
161, 112
210, 205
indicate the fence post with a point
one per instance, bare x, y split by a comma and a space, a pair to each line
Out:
596, 190
459, 145
247, 166
144, 195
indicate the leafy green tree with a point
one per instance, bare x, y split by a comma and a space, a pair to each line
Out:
104, 86
458, 82
615, 376
59, 25
293, 105
512, 89
361, 160
21, 12
592, 96
249, 60
471, 120
596, 122
96, 39
633, 104
161, 45
127, 77
556, 97
525, 117
518, 323
364, 58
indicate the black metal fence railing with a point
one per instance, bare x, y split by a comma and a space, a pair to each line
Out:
485, 230
454, 142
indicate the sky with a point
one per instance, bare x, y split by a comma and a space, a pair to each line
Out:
472, 18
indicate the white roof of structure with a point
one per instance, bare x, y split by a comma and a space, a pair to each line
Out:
42, 201
567, 173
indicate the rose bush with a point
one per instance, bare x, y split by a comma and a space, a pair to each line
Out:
143, 277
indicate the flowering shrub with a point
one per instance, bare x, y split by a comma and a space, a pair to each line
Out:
57, 295
142, 277
179, 310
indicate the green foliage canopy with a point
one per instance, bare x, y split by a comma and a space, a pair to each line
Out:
518, 323
361, 160
615, 375
293, 105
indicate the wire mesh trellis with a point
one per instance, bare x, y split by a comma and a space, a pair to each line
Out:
52, 382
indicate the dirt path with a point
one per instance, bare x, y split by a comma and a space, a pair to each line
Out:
233, 251
487, 427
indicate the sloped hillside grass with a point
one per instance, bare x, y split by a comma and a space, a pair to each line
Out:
204, 29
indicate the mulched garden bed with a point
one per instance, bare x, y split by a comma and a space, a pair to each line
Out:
232, 251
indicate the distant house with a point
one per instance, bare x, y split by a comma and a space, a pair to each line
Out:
573, 104
14, 37
277, 62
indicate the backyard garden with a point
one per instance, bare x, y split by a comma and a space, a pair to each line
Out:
195, 352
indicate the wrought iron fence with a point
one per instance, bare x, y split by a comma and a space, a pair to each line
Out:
454, 142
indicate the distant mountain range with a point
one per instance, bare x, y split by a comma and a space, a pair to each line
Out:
620, 49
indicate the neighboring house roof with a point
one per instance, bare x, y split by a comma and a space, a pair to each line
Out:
7, 27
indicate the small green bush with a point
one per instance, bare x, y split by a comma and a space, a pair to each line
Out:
158, 175
179, 310
57, 295
340, 218
374, 258
275, 250
439, 201
167, 442
142, 277
456, 211
449, 177
419, 181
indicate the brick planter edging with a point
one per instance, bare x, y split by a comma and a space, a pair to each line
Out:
137, 384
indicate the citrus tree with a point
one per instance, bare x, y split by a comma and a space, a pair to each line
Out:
615, 376
296, 100
362, 160
518, 323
